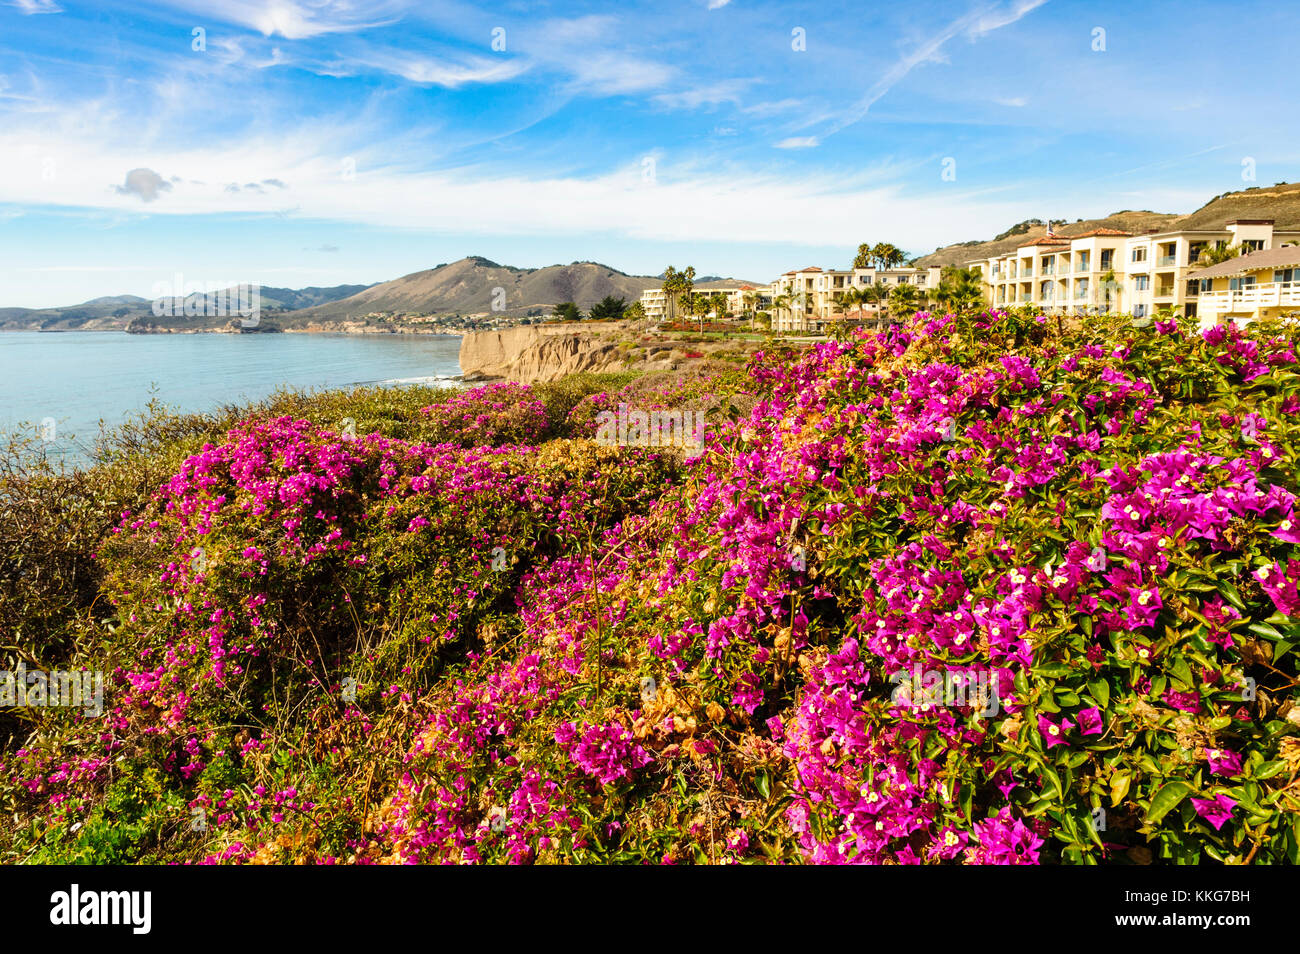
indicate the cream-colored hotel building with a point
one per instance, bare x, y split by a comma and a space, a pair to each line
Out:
1099, 270
1111, 270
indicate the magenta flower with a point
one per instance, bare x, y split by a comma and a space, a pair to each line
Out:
1004, 841
1090, 721
1224, 762
1215, 810
1186, 701
1288, 530
1054, 732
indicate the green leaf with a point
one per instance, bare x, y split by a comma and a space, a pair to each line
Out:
1265, 630
1181, 671
1053, 670
1166, 800
1229, 593
1269, 768
1100, 690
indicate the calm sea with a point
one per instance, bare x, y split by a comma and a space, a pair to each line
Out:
63, 384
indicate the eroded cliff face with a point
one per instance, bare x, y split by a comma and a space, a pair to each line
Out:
531, 354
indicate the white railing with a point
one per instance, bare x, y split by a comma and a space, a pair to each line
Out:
1267, 295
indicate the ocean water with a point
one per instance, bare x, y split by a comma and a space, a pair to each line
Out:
61, 385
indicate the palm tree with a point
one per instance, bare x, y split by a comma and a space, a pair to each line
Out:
961, 288
887, 255
781, 303
718, 302
904, 300
1218, 252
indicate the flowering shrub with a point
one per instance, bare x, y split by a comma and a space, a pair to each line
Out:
490, 415
698, 664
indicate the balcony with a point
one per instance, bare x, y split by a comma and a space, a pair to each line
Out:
1082, 266
1164, 291
1166, 261
1267, 295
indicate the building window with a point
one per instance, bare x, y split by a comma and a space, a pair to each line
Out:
1139, 311
1107, 259
1082, 265
1286, 274
1139, 254
1251, 245
1141, 282
1240, 284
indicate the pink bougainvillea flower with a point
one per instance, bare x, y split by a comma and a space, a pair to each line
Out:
1289, 529
1090, 722
1224, 762
1215, 810
1186, 701
1054, 732
1004, 841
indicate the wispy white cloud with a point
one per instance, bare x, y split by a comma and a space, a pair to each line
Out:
1012, 101
709, 204
772, 107
978, 23
426, 71
297, 20
798, 142
712, 94
33, 7
615, 74
718, 4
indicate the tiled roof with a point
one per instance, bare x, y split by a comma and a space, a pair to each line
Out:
1046, 241
1269, 258
1117, 232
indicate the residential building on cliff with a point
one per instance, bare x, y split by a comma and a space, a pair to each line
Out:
1263, 284
1111, 270
808, 299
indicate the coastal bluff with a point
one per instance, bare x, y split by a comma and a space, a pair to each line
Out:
534, 354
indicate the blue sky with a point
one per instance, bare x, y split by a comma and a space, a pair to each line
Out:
320, 142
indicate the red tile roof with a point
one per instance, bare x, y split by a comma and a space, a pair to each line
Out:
1102, 231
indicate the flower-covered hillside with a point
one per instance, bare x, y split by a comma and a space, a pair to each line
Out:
483, 651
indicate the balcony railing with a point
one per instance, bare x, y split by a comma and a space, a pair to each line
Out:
1267, 295
1082, 266
1164, 291
1164, 261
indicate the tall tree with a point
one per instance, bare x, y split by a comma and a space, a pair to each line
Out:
960, 288
608, 308
718, 304
903, 300
1218, 252
864, 257
567, 311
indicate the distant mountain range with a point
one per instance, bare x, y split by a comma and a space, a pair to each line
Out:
116, 312
1280, 202
473, 285
478, 286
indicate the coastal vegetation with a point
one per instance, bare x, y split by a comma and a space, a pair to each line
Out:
430, 626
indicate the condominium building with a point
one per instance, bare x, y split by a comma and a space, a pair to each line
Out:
740, 299
655, 303
807, 299
1264, 284
1111, 270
